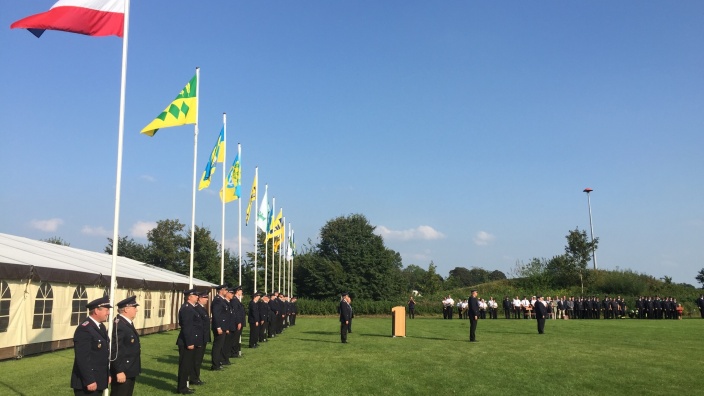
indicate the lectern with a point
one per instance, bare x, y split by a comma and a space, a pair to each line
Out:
398, 321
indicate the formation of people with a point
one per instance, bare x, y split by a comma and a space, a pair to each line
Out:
98, 365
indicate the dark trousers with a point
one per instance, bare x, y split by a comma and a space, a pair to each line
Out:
292, 320
216, 354
343, 331
253, 334
507, 313
197, 362
349, 326
263, 331
82, 392
236, 346
541, 325
412, 313
472, 328
227, 348
122, 389
185, 366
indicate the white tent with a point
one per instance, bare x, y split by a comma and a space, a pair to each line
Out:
44, 289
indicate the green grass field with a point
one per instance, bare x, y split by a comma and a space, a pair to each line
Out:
590, 357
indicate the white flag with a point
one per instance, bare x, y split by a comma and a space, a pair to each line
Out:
263, 212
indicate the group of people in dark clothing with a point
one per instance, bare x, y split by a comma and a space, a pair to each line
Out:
267, 316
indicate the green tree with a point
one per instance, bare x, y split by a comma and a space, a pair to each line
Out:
700, 277
432, 281
534, 275
496, 275
578, 252
413, 276
56, 240
168, 247
206, 256
370, 269
318, 277
459, 277
127, 247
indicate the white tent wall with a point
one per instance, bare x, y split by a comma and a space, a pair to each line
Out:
29, 269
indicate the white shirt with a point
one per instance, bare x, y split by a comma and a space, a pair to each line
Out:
516, 302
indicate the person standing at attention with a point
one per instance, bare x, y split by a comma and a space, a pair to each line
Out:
473, 316
345, 317
540, 313
90, 375
126, 364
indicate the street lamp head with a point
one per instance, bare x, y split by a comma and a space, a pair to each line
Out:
588, 190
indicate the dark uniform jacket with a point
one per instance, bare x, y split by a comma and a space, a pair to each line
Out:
253, 313
125, 349
238, 312
191, 327
473, 307
345, 311
540, 310
265, 311
204, 322
220, 311
90, 345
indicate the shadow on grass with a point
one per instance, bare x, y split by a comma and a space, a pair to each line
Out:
11, 388
158, 379
321, 332
315, 340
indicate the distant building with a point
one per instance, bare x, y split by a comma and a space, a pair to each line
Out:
44, 289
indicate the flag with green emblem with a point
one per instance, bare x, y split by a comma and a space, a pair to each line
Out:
181, 111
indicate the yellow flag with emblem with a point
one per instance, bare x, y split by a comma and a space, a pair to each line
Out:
181, 111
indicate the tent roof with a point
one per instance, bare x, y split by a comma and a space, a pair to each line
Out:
24, 258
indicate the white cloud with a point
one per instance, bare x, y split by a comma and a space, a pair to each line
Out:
94, 231
50, 225
483, 238
148, 178
420, 232
140, 229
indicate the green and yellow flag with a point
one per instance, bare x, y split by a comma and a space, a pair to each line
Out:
181, 111
252, 197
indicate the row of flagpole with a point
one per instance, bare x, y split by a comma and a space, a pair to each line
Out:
111, 18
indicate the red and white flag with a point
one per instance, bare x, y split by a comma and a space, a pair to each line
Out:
89, 17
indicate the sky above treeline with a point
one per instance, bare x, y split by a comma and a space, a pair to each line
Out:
465, 132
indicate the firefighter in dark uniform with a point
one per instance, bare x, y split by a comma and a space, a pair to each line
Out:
125, 363
230, 326
189, 339
90, 375
294, 311
253, 319
219, 310
201, 308
240, 321
265, 318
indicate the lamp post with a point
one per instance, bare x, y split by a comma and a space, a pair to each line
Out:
591, 227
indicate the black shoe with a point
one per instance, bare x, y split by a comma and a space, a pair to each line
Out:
472, 340
187, 391
344, 342
219, 368
226, 363
199, 382
253, 346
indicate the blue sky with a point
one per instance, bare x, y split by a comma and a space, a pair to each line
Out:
465, 131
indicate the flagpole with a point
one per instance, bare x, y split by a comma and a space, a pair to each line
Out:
256, 219
118, 176
222, 198
239, 213
268, 230
195, 158
282, 239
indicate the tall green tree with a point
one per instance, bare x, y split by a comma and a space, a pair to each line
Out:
496, 275
432, 281
413, 276
700, 277
578, 253
371, 270
127, 247
206, 256
169, 248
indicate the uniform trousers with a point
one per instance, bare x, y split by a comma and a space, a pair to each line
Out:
216, 355
122, 389
185, 366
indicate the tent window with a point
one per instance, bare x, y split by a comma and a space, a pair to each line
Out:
5, 297
78, 304
162, 304
43, 306
147, 305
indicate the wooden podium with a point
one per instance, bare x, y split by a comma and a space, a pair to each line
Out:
398, 321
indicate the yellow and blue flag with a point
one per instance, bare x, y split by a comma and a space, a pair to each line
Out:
217, 155
232, 188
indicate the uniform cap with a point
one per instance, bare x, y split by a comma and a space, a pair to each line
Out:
219, 287
190, 292
128, 302
102, 302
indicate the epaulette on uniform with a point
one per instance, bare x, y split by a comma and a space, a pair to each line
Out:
86, 323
